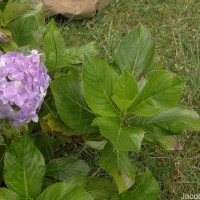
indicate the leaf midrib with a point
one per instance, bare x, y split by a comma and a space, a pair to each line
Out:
104, 92
24, 173
136, 59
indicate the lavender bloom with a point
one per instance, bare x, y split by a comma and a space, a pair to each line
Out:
23, 85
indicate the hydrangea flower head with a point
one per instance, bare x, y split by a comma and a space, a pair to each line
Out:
23, 85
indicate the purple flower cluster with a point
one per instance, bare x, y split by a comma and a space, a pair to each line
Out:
23, 85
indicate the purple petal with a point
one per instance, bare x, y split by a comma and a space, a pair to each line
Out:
18, 75
10, 92
3, 71
4, 110
3, 82
19, 100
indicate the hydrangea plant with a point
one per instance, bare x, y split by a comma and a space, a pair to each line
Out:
115, 107
23, 85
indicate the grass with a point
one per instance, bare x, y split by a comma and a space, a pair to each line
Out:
175, 26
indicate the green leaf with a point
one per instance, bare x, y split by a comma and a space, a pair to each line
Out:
50, 27
155, 65
145, 187
172, 122
122, 104
13, 11
136, 51
119, 166
63, 191
56, 53
76, 54
25, 31
36, 9
98, 188
166, 142
53, 123
9, 46
1, 16
124, 196
2, 7
3, 147
123, 138
98, 145
24, 168
160, 93
98, 80
54, 47
64, 168
6, 194
126, 87
71, 106
8, 130
125, 91
58, 126
49, 144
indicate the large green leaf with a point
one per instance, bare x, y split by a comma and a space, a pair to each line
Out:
7, 128
145, 187
124, 196
98, 145
125, 91
50, 122
126, 87
155, 65
9, 46
50, 27
123, 138
76, 54
13, 11
6, 194
64, 168
3, 147
35, 5
63, 191
172, 122
36, 8
2, 7
119, 166
56, 125
98, 80
59, 56
24, 168
136, 51
26, 31
161, 92
166, 142
54, 48
72, 108
98, 188
1, 14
